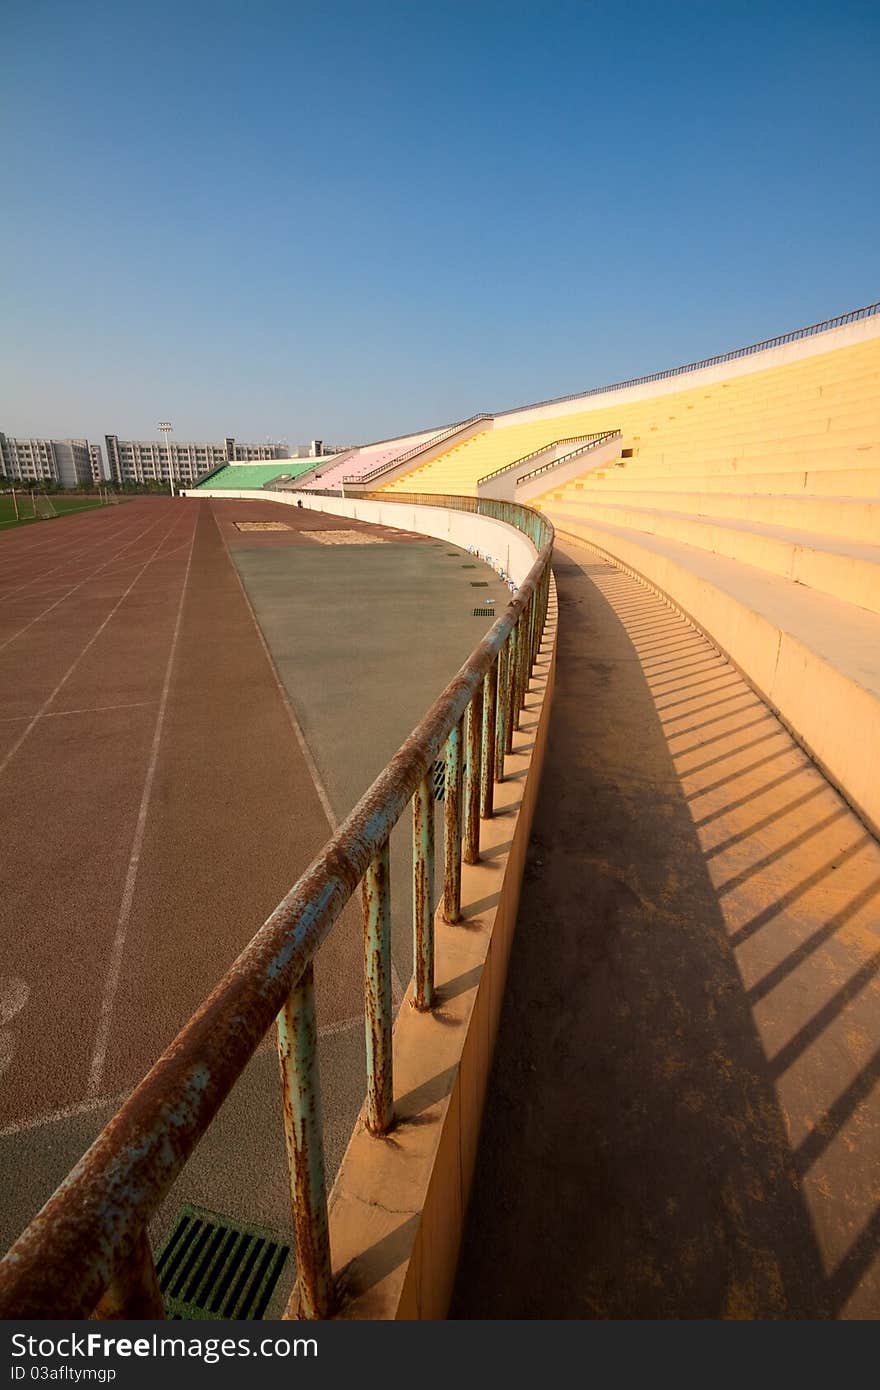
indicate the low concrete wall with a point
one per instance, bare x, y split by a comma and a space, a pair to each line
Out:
510, 549
398, 1204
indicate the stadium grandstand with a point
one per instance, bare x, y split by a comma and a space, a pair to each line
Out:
672, 730
249, 475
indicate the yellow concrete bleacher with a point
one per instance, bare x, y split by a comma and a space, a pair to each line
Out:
754, 503
779, 468
458, 470
819, 413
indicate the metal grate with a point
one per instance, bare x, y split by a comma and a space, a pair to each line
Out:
479, 583
484, 612
439, 779
469, 567
214, 1267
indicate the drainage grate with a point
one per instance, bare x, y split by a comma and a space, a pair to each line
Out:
479, 583
439, 779
469, 567
484, 612
214, 1267
453, 554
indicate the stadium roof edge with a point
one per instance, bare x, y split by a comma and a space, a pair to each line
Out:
825, 325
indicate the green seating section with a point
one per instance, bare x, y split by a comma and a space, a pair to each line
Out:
249, 475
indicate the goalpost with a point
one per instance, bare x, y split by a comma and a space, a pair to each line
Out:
43, 505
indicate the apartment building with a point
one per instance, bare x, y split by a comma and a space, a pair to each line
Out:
64, 462
146, 460
97, 463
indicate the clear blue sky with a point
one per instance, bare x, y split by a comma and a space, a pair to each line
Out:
355, 219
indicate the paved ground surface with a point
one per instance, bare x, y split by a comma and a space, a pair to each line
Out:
399, 608
158, 799
683, 1116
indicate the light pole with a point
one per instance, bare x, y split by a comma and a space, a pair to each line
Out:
166, 427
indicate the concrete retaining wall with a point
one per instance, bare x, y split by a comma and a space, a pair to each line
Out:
513, 551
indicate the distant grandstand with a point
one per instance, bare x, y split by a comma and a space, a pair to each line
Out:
250, 475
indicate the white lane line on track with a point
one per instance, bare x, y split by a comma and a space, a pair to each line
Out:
62, 713
70, 670
85, 1107
46, 611
66, 555
397, 990
114, 971
68, 1112
304, 748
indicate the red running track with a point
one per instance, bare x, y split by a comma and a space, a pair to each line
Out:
154, 803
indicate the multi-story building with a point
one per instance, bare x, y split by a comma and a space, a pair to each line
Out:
146, 460
97, 462
64, 462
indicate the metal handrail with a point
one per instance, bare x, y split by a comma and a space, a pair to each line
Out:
853, 316
554, 444
417, 449
591, 439
548, 467
88, 1248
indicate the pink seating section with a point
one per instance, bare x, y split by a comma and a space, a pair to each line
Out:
364, 461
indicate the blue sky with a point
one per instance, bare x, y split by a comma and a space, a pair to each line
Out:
351, 220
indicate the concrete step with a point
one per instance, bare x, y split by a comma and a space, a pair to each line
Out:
679, 462
816, 482
813, 657
848, 518
848, 571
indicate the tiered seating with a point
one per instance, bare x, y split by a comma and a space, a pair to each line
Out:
755, 504
458, 470
363, 461
239, 476
718, 428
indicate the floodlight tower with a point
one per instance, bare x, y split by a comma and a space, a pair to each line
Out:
166, 427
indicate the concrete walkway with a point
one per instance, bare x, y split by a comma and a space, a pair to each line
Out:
683, 1114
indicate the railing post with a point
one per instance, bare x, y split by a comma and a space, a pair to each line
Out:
510, 691
452, 827
377, 992
472, 788
301, 1096
487, 763
533, 627
501, 713
134, 1291
520, 671
423, 893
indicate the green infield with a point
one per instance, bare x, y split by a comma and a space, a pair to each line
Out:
42, 507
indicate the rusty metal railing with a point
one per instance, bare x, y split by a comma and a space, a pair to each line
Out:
88, 1249
595, 443
534, 454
